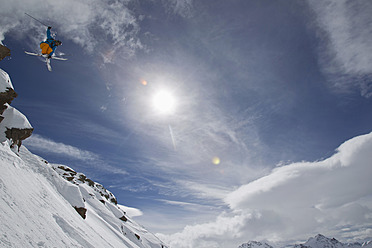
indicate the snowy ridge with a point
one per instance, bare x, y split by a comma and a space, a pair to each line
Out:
255, 244
319, 241
48, 205
79, 178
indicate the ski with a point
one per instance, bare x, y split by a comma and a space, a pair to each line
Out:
41, 55
47, 60
48, 64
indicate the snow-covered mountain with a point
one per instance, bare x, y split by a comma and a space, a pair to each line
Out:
255, 244
51, 205
319, 241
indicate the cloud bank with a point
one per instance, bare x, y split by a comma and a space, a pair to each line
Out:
295, 201
346, 50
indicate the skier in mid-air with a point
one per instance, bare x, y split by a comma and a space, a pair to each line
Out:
49, 45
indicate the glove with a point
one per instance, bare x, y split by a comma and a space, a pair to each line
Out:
49, 56
49, 27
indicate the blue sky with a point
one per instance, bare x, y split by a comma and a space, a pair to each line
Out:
261, 85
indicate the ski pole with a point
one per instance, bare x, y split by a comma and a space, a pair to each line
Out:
37, 20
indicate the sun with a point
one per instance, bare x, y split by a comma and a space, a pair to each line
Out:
164, 102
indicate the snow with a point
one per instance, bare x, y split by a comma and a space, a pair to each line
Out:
5, 81
255, 244
15, 119
12, 119
131, 212
319, 241
367, 244
36, 208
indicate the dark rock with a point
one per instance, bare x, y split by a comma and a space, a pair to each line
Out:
82, 178
69, 178
67, 169
90, 182
6, 97
123, 218
113, 200
17, 135
82, 212
4, 51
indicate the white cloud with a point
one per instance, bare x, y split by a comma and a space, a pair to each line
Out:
295, 201
131, 212
103, 27
206, 235
46, 145
346, 53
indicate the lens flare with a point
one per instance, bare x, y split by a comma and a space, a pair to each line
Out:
216, 160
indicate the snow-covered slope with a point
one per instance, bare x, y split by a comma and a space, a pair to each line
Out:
40, 203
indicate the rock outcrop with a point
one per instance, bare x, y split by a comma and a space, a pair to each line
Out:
7, 93
88, 189
4, 51
14, 126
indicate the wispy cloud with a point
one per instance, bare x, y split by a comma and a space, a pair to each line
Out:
201, 127
295, 201
180, 7
103, 27
346, 51
205, 191
39, 143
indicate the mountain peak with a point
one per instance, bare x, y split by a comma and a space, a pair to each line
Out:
319, 241
255, 244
